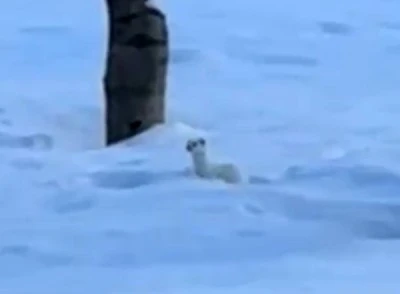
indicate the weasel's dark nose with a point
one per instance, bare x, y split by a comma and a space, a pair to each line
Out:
202, 142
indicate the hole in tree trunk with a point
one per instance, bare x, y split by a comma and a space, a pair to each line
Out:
135, 126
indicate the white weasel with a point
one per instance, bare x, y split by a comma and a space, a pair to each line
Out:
227, 172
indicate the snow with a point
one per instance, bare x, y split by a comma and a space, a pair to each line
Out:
302, 95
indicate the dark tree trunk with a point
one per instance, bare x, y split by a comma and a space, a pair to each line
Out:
136, 68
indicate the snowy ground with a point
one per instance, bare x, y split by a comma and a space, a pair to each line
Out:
302, 95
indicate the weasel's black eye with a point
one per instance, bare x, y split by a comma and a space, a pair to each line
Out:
189, 147
202, 142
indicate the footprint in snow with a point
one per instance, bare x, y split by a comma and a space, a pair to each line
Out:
129, 179
28, 253
35, 141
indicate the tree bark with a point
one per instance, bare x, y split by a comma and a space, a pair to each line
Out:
136, 68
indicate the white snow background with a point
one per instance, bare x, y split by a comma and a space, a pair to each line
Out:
302, 95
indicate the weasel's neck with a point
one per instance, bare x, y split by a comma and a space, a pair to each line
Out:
200, 164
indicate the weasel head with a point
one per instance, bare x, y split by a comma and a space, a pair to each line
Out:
196, 145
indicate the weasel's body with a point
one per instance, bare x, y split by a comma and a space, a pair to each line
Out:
203, 168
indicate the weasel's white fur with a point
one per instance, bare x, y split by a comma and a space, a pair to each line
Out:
227, 172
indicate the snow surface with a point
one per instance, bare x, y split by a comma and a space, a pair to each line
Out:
302, 95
